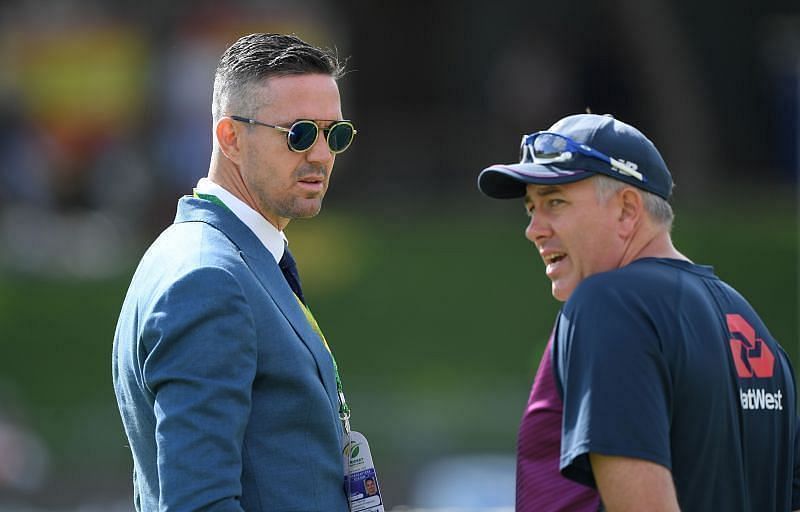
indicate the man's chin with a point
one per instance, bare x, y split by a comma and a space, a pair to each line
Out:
560, 293
309, 209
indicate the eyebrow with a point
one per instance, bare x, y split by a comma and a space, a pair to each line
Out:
542, 191
546, 190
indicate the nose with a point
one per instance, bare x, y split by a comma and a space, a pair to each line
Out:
320, 152
538, 230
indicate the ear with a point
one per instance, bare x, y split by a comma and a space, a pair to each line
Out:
228, 134
631, 211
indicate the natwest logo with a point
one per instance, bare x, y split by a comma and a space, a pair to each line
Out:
759, 399
751, 355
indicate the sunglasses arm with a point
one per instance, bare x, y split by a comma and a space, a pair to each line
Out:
563, 157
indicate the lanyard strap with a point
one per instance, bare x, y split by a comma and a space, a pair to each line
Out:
209, 197
344, 408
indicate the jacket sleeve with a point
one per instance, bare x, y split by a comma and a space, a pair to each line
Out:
199, 366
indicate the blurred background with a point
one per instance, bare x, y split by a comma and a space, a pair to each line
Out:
436, 306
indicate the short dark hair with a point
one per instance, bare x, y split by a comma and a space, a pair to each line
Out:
256, 57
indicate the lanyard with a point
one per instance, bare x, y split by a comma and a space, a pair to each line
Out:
208, 197
344, 408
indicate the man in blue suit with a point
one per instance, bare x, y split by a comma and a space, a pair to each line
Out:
228, 393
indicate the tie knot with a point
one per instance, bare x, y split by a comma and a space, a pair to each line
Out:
289, 269
287, 260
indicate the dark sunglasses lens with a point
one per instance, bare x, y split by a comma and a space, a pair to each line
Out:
547, 145
303, 135
340, 137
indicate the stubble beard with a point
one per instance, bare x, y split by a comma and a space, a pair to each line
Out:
297, 206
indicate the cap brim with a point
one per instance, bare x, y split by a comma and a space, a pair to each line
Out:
509, 181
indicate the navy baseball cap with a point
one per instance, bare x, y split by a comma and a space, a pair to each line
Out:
604, 146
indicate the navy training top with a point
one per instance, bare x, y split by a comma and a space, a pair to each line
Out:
661, 360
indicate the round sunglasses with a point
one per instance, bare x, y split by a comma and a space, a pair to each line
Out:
303, 133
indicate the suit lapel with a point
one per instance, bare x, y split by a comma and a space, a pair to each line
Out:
266, 270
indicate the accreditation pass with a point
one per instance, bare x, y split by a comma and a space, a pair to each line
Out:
360, 480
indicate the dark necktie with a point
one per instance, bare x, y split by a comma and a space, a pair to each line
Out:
289, 269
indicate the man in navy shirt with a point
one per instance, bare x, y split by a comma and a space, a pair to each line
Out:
675, 395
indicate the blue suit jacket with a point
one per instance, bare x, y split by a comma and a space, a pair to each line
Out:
227, 395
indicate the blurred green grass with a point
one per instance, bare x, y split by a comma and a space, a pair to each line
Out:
437, 322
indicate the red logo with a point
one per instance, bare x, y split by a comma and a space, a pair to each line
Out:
751, 355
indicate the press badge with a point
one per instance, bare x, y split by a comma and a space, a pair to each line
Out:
360, 480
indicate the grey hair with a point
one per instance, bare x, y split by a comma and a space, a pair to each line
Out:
256, 57
657, 207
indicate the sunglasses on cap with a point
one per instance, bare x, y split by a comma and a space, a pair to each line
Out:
303, 133
551, 147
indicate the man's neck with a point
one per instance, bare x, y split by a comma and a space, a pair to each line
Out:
227, 175
657, 245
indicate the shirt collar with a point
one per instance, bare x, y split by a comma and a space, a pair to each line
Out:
273, 240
